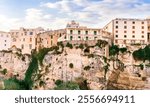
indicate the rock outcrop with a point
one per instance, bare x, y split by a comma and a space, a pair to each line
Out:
13, 64
125, 81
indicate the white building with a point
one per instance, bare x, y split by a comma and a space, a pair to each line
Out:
128, 31
5, 41
75, 32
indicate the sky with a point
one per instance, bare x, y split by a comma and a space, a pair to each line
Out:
55, 14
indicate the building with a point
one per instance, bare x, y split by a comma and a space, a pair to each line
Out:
75, 32
5, 41
25, 39
128, 31
148, 24
49, 38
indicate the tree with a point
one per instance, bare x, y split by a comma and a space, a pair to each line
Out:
113, 50
69, 45
122, 50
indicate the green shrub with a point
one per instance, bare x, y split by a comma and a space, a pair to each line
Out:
32, 69
87, 68
58, 82
87, 50
122, 50
60, 44
14, 84
81, 46
91, 56
67, 86
69, 45
4, 71
141, 66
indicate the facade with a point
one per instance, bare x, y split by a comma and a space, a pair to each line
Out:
5, 41
75, 32
25, 39
49, 38
128, 31
148, 24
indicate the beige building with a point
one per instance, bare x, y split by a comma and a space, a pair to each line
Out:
25, 39
128, 31
75, 32
49, 38
5, 41
148, 24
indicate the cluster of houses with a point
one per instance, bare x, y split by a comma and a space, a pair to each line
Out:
120, 31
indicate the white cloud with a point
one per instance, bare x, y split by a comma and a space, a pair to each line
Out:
93, 13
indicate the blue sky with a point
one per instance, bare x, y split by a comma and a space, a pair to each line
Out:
55, 14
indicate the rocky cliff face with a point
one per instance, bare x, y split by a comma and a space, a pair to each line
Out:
82, 65
13, 64
70, 65
74, 63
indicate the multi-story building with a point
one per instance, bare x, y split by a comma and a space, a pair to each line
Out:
49, 38
148, 33
128, 31
25, 39
5, 41
75, 32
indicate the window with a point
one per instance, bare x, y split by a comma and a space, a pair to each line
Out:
125, 22
60, 35
30, 46
71, 37
125, 36
142, 22
71, 31
79, 32
86, 38
133, 36
142, 31
116, 31
51, 37
5, 45
116, 27
65, 37
125, 27
86, 32
25, 33
133, 31
133, 22
5, 40
95, 32
133, 27
125, 31
22, 46
124, 41
116, 22
116, 36
79, 37
30, 39
31, 33
142, 27
14, 39
116, 41
142, 36
23, 39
